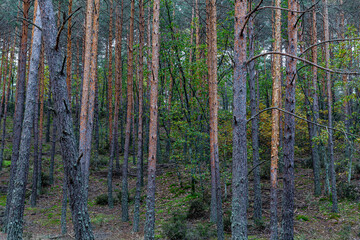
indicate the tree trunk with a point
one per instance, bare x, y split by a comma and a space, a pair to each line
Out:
149, 229
9, 77
110, 84
71, 158
329, 98
315, 147
239, 168
69, 53
289, 132
19, 105
53, 150
254, 124
125, 193
276, 101
214, 106
88, 91
41, 124
140, 123
118, 80
17, 204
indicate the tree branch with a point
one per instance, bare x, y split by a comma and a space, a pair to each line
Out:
301, 118
305, 61
332, 40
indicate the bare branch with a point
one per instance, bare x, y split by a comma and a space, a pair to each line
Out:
305, 61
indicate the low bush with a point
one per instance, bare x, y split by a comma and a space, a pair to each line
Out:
197, 209
201, 231
176, 228
348, 191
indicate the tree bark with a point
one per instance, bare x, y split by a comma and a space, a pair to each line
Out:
17, 204
239, 168
329, 98
118, 80
71, 158
276, 101
149, 229
214, 106
88, 91
140, 123
110, 75
69, 53
7, 79
315, 147
254, 123
125, 192
289, 131
20, 103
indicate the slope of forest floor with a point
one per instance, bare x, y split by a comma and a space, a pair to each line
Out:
313, 218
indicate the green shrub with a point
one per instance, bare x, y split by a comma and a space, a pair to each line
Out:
102, 200
45, 180
201, 231
197, 209
265, 171
348, 191
176, 228
227, 223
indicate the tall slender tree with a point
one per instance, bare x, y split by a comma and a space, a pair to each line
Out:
289, 130
329, 106
124, 192
214, 106
255, 122
69, 150
239, 168
315, 146
88, 91
17, 204
140, 123
20, 102
149, 228
68, 51
276, 99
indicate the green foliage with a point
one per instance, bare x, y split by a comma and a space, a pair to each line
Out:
176, 228
3, 200
348, 191
197, 209
302, 218
6, 164
201, 231
102, 200
45, 180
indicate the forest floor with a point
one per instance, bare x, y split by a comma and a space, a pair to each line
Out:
313, 216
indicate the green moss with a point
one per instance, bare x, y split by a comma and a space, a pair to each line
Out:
334, 216
302, 217
6, 164
3, 200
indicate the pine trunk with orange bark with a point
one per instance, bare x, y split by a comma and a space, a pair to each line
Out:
125, 192
275, 122
149, 229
